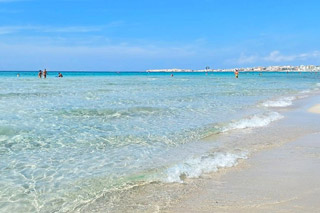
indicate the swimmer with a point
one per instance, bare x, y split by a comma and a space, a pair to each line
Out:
171, 74
60, 75
40, 74
236, 73
45, 73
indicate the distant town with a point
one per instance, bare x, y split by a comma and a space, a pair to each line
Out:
301, 68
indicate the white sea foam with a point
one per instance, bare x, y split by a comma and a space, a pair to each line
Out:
195, 167
3, 138
305, 91
282, 102
254, 121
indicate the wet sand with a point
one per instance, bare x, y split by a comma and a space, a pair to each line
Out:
281, 179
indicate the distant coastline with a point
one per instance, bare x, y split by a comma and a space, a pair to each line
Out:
301, 68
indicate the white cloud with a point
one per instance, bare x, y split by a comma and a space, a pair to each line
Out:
244, 59
277, 57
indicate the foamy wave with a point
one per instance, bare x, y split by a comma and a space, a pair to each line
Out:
305, 91
282, 102
195, 167
316, 87
254, 121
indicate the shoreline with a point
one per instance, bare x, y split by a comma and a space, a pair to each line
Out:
279, 179
248, 186
284, 179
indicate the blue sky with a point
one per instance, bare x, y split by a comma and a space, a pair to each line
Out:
139, 34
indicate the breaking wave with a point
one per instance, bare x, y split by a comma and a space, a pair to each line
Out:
254, 121
281, 102
195, 167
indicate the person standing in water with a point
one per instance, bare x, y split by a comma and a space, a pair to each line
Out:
60, 75
236, 73
40, 74
45, 73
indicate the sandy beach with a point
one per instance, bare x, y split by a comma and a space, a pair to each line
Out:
315, 109
280, 179
285, 179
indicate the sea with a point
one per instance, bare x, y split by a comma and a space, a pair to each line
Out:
66, 142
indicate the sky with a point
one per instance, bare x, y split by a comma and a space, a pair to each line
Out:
135, 35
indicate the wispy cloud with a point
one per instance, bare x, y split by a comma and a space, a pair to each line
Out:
48, 29
244, 59
116, 56
9, 11
57, 29
277, 57
5, 1
73, 29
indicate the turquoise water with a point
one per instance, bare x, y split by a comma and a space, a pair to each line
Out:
64, 142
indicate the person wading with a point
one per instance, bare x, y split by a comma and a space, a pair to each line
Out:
45, 73
40, 74
236, 73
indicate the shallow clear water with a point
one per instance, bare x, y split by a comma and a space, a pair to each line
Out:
64, 142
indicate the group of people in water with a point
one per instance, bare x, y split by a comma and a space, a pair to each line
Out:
44, 74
